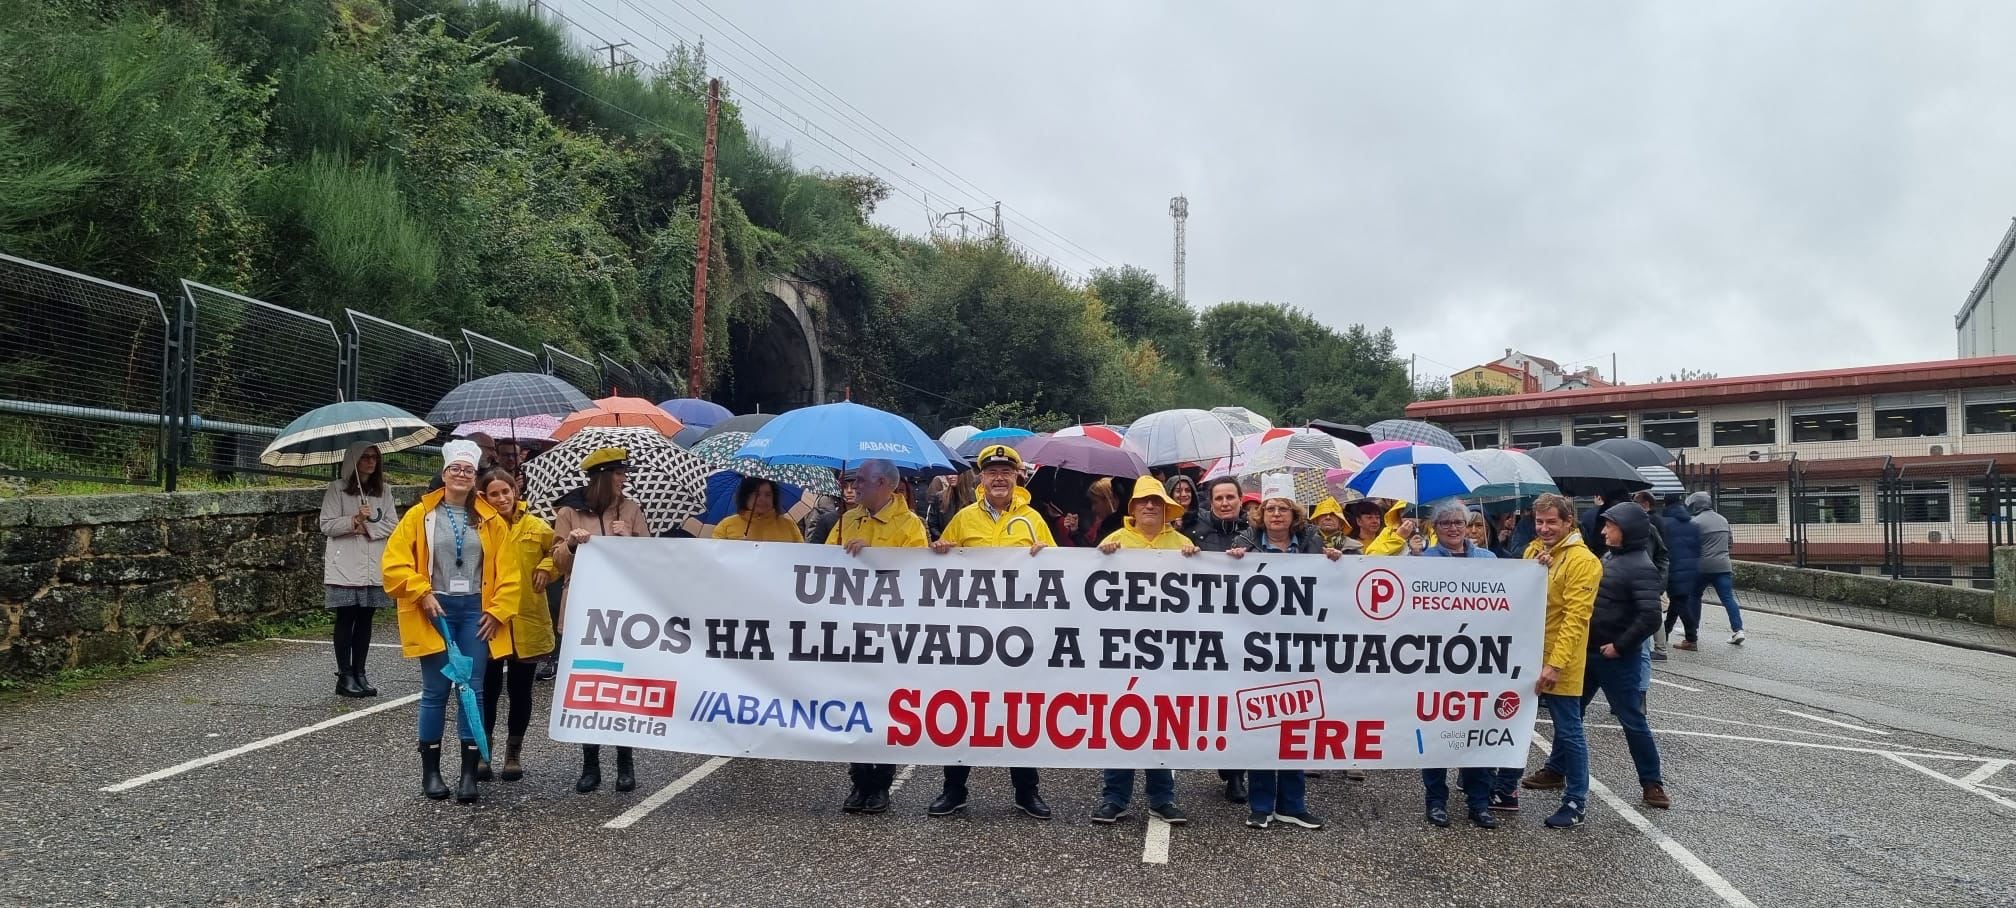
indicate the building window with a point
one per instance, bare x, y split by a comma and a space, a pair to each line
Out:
1927, 500
1474, 438
1988, 412
1673, 429
1825, 422
1980, 509
1596, 428
1751, 506
1832, 504
1739, 433
1536, 432
1911, 415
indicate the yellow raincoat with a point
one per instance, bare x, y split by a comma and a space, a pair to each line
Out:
1020, 526
895, 526
1389, 541
532, 628
1572, 578
406, 565
746, 525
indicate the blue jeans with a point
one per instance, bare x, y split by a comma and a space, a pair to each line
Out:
1477, 784
1725, 589
1618, 680
1120, 787
463, 614
1571, 747
1277, 790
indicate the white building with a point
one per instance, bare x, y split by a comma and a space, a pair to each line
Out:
1987, 322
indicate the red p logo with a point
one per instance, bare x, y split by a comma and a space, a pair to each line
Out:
1379, 594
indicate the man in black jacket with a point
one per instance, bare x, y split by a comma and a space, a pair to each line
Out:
1215, 532
1627, 613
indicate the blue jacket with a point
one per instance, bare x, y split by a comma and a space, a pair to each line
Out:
1471, 550
1683, 547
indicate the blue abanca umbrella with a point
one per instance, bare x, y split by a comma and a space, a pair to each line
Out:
1417, 474
843, 436
1001, 436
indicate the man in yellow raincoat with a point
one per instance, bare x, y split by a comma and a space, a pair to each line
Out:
879, 518
1573, 573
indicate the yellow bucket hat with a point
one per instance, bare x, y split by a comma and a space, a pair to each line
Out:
1150, 487
1328, 506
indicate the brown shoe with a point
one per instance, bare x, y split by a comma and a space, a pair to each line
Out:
1543, 779
1687, 645
1655, 796
513, 748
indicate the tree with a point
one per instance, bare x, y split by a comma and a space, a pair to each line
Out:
1140, 308
1302, 368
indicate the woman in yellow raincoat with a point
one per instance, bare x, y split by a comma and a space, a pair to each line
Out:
531, 631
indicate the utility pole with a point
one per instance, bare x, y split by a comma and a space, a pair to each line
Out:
1613, 368
696, 361
1179, 208
997, 221
611, 49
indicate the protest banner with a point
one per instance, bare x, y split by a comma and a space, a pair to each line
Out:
1069, 658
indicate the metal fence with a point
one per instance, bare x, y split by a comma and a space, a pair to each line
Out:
102, 383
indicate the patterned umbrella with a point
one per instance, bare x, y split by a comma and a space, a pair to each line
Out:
1241, 421
692, 411
1094, 431
1179, 436
1415, 432
668, 482
1243, 450
529, 428
957, 435
1664, 481
507, 395
718, 453
322, 435
619, 411
1304, 449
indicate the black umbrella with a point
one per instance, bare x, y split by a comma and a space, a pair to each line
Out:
508, 395
748, 423
1635, 451
1356, 435
1587, 471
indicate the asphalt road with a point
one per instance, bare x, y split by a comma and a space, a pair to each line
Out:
1815, 765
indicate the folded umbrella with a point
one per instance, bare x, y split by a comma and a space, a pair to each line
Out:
320, 436
1580, 470
460, 669
507, 395
615, 412
1418, 474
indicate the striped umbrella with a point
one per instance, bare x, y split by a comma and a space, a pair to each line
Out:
1415, 432
1095, 431
320, 436
718, 452
1241, 421
507, 395
1303, 449
1417, 474
1664, 481
667, 481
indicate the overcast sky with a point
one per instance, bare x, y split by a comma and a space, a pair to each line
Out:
1741, 187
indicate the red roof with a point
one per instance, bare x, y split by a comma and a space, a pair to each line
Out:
1861, 467
1938, 375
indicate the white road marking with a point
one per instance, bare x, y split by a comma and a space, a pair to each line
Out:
1956, 783
1715, 882
1810, 744
1684, 687
1996, 787
327, 643
260, 744
1838, 724
1155, 850
661, 796
902, 776
1985, 772
1786, 728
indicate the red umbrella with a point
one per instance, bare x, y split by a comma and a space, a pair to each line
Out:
619, 412
1094, 431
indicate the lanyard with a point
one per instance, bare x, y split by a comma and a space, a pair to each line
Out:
455, 523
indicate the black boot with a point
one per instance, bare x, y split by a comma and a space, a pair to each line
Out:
362, 684
346, 685
465, 791
430, 771
626, 777
591, 769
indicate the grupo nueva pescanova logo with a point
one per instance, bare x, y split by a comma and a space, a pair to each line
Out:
1379, 594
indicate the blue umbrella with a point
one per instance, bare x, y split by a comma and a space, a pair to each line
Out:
459, 669
1001, 436
696, 412
721, 489
842, 436
1417, 474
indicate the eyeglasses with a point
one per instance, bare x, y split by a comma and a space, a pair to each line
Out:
460, 470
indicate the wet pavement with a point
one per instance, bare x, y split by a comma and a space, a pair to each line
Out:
1814, 765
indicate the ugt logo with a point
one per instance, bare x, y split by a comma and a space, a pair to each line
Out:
1379, 594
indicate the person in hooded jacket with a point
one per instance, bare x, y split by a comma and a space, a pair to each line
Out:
531, 629
1716, 568
1184, 490
1398, 530
1683, 596
1626, 614
1329, 520
358, 515
1216, 530
598, 509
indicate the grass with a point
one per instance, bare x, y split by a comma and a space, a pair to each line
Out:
75, 680
202, 482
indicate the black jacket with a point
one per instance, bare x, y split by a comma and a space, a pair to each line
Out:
1214, 535
1627, 600
1661, 556
1311, 542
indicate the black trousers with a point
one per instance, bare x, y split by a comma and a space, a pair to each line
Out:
352, 637
518, 678
872, 777
1022, 777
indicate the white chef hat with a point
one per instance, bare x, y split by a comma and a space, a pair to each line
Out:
461, 450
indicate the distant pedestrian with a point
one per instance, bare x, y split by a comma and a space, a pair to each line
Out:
358, 515
598, 509
879, 519
1683, 592
1149, 526
1572, 578
530, 631
1716, 569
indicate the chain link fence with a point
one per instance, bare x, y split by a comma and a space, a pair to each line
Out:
252, 368
574, 370
490, 356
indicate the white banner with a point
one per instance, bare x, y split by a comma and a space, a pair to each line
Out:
1069, 658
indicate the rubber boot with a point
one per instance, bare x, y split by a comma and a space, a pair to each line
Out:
512, 747
430, 771
626, 777
465, 791
591, 769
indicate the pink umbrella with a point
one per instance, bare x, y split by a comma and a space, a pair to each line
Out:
1094, 431
1380, 447
524, 428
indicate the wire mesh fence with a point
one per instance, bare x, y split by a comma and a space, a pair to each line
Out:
394, 364
252, 368
490, 356
573, 370
83, 371
617, 380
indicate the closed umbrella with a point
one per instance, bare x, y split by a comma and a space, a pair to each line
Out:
1580, 470
1418, 474
1509, 474
1179, 436
719, 454
618, 412
666, 481
1635, 451
525, 428
320, 436
1664, 481
508, 395
957, 435
461, 670
1082, 454
1415, 432
842, 436
692, 411
1001, 436
747, 422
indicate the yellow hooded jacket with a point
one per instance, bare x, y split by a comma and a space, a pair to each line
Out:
1389, 541
895, 526
406, 567
749, 526
532, 627
976, 527
1572, 578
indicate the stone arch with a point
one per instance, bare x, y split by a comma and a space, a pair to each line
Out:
776, 362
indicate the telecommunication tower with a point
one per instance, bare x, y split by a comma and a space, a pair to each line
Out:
1179, 208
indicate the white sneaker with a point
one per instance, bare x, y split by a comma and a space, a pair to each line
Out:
1736, 638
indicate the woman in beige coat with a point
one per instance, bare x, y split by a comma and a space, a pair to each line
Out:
600, 509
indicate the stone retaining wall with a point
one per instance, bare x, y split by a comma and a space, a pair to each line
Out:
1931, 599
90, 580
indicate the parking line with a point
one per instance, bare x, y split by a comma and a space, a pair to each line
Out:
1785, 728
1694, 690
661, 796
260, 744
902, 776
1956, 783
1715, 882
327, 643
1811, 744
1155, 850
1985, 772
1846, 725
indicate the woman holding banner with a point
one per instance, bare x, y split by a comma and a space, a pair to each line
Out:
450, 559
1151, 525
756, 518
599, 509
